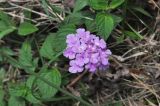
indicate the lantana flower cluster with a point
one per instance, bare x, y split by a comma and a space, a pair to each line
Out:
86, 52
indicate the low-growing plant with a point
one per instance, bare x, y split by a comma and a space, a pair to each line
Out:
32, 75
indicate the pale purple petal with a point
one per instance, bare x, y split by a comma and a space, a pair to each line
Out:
94, 58
91, 67
72, 70
102, 44
108, 52
80, 31
69, 53
82, 48
104, 61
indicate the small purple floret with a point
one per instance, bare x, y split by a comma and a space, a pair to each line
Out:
86, 51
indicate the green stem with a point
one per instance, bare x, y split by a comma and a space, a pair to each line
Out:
58, 99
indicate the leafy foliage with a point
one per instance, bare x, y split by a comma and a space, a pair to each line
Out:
105, 4
6, 26
98, 4
25, 58
16, 101
53, 76
26, 28
80, 4
55, 43
105, 24
2, 103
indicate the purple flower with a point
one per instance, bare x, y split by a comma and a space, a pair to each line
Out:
86, 51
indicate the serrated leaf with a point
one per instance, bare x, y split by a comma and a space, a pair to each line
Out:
26, 28
30, 81
80, 4
91, 25
98, 4
47, 47
21, 91
74, 18
25, 58
105, 4
29, 96
53, 76
56, 43
105, 25
16, 101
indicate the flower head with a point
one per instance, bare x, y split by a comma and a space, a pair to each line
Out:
86, 51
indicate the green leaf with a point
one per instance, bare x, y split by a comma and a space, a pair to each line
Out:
117, 19
47, 47
105, 4
2, 103
53, 76
6, 51
141, 10
3, 25
18, 90
115, 3
74, 18
6, 19
105, 25
16, 101
26, 28
6, 25
80, 4
12, 61
91, 25
2, 75
56, 43
29, 96
98, 4
25, 58
6, 31
30, 81
131, 35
